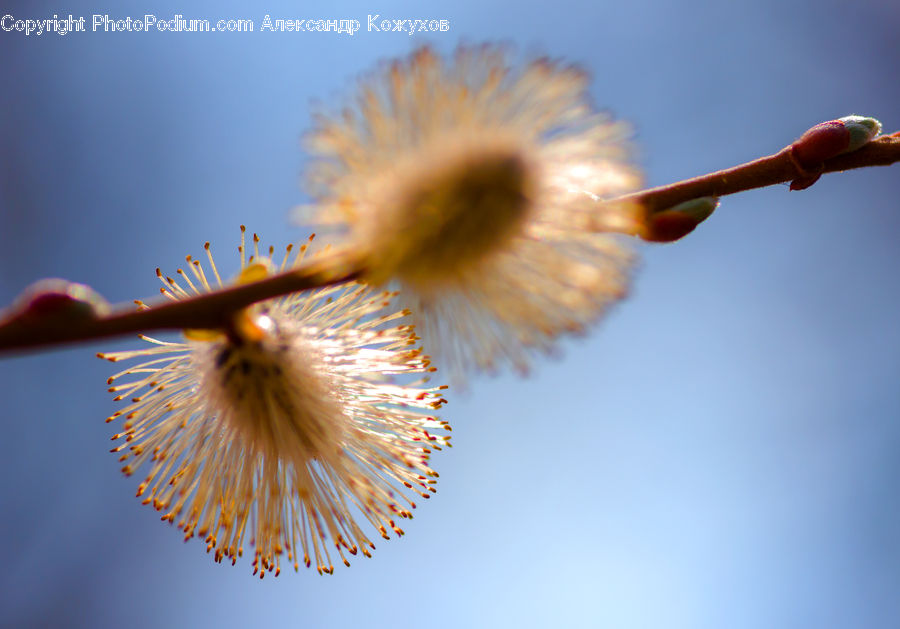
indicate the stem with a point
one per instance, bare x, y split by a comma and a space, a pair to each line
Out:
762, 172
214, 310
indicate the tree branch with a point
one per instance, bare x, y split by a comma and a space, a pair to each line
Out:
213, 310
765, 171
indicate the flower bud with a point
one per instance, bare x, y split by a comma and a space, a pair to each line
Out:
680, 220
826, 140
59, 300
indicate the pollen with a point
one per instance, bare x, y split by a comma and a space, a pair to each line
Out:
477, 186
284, 432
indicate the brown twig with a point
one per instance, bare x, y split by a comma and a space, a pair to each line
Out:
213, 310
762, 172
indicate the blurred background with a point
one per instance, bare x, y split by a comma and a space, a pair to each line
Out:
720, 452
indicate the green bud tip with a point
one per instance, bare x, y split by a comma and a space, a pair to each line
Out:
698, 209
862, 129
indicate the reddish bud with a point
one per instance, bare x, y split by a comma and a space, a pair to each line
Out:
823, 141
679, 221
827, 140
56, 299
802, 183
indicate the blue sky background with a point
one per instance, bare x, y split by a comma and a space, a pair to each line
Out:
720, 452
